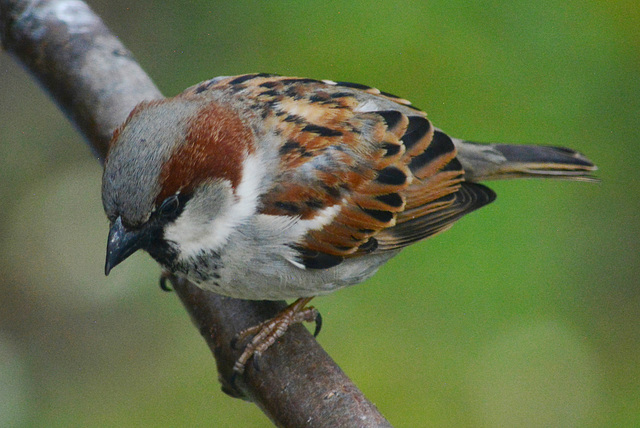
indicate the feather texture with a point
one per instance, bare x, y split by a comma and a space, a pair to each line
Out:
393, 177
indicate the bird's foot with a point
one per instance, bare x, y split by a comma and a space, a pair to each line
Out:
266, 333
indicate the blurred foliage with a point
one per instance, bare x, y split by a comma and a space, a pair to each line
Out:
526, 313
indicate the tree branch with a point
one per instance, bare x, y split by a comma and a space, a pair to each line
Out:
96, 82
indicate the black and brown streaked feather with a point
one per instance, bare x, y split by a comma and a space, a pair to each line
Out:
394, 178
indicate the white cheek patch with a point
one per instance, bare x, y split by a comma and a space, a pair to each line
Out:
199, 229
195, 232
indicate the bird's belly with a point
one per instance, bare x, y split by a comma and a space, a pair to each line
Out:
275, 278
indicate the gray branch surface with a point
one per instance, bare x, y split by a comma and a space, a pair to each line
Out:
96, 81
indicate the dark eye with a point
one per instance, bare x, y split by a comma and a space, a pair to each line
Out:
169, 207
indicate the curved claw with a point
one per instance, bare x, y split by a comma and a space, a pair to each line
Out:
316, 332
164, 283
255, 361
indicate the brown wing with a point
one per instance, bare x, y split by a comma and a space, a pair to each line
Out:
437, 197
368, 168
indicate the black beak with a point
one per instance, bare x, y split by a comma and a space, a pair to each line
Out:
122, 243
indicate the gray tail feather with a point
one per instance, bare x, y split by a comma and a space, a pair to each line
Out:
503, 161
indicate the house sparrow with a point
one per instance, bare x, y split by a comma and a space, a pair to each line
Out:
267, 187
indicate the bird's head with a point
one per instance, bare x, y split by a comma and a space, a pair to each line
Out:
171, 179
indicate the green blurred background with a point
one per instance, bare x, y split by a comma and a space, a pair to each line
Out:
526, 313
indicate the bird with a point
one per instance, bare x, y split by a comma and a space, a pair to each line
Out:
268, 187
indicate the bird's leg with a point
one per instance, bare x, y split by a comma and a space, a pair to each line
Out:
266, 333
